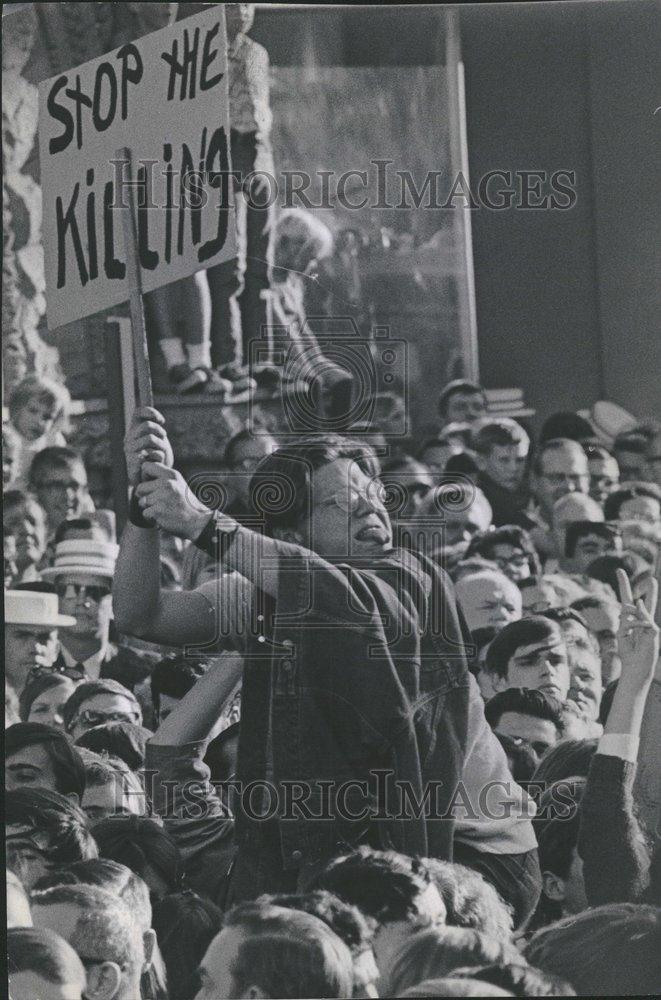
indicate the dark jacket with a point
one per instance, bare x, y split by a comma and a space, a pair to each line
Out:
358, 675
508, 506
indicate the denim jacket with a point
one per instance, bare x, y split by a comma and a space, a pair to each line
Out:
355, 682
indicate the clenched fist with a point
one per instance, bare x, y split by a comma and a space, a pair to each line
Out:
166, 498
146, 441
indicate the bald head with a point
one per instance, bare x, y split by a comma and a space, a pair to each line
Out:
488, 599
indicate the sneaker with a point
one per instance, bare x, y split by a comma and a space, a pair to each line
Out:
186, 379
216, 384
239, 376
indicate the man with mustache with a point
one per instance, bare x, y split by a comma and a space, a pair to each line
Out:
355, 680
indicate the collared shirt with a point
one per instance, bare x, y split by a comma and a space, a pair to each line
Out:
92, 664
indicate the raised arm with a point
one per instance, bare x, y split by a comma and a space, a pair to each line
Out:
141, 608
615, 859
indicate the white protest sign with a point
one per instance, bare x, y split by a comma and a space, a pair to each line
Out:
165, 97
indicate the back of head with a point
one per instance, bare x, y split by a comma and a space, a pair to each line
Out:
455, 987
385, 885
612, 950
116, 879
104, 927
565, 424
576, 507
288, 953
67, 763
54, 817
140, 844
346, 920
124, 740
519, 979
185, 926
45, 954
470, 900
435, 953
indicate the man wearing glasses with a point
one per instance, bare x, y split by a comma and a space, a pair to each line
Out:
82, 573
354, 673
560, 467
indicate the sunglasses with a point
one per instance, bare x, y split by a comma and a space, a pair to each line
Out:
75, 591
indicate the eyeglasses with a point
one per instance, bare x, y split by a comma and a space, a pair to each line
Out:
75, 591
90, 718
349, 500
62, 487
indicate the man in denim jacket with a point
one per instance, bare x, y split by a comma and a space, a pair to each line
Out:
360, 720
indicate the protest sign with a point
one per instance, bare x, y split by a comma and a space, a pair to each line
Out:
165, 98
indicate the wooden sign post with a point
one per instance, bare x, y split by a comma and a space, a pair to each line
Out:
145, 395
150, 117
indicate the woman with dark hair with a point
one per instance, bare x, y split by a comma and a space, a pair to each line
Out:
185, 926
143, 846
43, 698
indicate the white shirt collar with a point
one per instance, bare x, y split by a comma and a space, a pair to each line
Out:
92, 664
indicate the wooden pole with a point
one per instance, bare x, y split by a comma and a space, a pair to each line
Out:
145, 396
115, 387
461, 216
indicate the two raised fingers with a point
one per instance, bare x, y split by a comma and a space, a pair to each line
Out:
642, 611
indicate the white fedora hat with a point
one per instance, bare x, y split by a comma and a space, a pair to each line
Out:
83, 557
32, 607
608, 420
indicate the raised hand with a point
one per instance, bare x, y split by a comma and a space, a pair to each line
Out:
146, 441
638, 634
166, 498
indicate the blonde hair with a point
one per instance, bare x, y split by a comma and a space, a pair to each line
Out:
43, 389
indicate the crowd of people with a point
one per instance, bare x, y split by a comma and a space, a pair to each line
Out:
386, 721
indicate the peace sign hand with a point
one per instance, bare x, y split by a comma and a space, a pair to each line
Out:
638, 634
